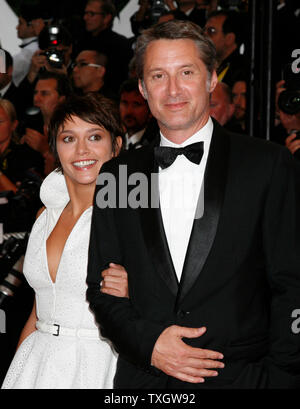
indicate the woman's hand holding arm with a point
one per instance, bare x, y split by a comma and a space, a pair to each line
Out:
115, 281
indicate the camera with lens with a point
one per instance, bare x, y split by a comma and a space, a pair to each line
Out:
158, 9
289, 99
49, 38
55, 58
12, 252
18, 210
33, 119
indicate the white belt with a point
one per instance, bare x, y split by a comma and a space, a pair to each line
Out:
58, 330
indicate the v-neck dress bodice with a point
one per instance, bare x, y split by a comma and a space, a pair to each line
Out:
44, 360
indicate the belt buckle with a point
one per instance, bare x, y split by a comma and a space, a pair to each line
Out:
57, 330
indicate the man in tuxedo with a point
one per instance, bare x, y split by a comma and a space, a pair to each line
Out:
8, 90
226, 29
29, 14
134, 113
212, 253
98, 18
51, 89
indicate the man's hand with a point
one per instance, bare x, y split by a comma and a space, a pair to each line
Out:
175, 358
38, 61
36, 140
115, 281
292, 143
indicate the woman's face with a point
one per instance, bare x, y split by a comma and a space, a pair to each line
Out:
6, 127
82, 148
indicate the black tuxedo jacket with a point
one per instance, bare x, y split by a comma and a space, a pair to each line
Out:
14, 96
241, 277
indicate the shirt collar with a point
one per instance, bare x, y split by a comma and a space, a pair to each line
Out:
204, 134
28, 40
136, 137
3, 90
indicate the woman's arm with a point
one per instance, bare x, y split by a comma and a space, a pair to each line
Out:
29, 326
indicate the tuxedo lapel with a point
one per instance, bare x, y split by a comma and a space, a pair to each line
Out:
153, 229
204, 228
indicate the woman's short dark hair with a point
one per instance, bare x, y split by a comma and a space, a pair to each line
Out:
92, 108
176, 30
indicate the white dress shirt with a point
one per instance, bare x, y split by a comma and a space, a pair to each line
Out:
4, 90
134, 139
22, 60
179, 189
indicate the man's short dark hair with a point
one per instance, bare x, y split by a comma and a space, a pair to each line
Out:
130, 85
92, 108
99, 58
30, 12
107, 7
64, 87
176, 30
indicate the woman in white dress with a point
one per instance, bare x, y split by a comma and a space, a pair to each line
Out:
60, 345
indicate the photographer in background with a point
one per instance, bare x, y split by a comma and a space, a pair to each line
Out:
15, 159
147, 15
26, 30
54, 55
226, 29
287, 130
157, 11
98, 18
134, 113
8, 90
51, 88
55, 43
89, 71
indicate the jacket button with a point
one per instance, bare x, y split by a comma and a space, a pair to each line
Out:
181, 313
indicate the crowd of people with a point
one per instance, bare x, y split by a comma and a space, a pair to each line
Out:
75, 97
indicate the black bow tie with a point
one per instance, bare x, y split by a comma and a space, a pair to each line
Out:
30, 42
166, 155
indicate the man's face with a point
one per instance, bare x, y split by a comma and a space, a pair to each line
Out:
84, 75
214, 29
239, 90
95, 20
177, 87
134, 111
221, 107
46, 96
24, 30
